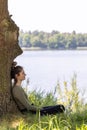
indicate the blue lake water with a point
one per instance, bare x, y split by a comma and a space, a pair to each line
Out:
45, 68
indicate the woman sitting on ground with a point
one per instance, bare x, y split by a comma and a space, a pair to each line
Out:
21, 98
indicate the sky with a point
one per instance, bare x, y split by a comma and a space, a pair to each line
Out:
49, 15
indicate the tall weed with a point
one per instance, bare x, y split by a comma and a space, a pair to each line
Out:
69, 95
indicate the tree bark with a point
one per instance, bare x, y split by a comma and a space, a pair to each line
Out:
9, 50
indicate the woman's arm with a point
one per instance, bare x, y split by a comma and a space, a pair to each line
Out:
20, 95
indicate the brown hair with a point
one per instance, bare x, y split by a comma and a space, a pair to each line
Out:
15, 70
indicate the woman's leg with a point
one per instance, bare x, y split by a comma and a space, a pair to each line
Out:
47, 110
52, 109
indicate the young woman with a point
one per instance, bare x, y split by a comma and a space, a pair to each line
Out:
21, 99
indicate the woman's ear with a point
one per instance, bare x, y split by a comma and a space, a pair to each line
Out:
16, 76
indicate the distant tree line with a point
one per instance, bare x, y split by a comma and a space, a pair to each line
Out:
53, 40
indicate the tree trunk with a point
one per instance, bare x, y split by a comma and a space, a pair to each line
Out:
9, 50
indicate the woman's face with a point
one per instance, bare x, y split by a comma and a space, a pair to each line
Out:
21, 75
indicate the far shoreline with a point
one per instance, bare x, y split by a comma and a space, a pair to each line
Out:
41, 49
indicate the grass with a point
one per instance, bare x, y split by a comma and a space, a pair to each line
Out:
66, 121
75, 117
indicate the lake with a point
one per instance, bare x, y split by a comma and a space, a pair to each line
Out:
45, 68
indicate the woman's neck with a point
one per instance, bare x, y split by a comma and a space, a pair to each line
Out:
18, 83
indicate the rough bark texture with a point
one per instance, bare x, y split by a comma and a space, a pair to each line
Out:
9, 50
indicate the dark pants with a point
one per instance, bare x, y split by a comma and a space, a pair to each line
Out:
48, 110
52, 110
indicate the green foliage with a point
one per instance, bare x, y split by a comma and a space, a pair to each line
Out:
39, 98
50, 123
83, 127
70, 95
73, 121
53, 40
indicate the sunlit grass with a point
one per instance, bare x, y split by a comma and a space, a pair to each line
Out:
72, 121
